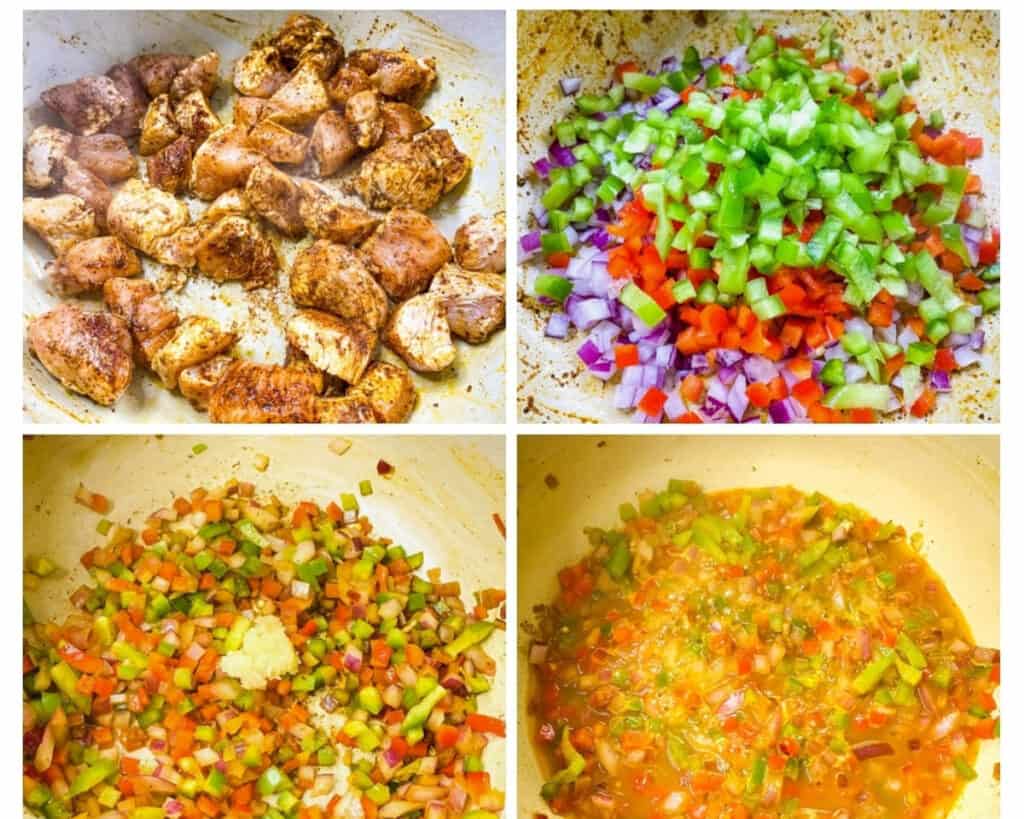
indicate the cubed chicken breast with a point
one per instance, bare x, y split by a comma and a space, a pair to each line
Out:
60, 221
326, 215
480, 243
151, 320
85, 267
333, 278
141, 215
418, 331
88, 105
230, 203
159, 126
301, 100
399, 174
197, 382
106, 155
45, 151
196, 339
136, 100
89, 352
396, 74
251, 393
474, 302
389, 390
275, 196
331, 144
195, 117
405, 252
308, 40
278, 144
362, 113
342, 348
345, 82
223, 162
170, 168
249, 110
202, 74
344, 410
442, 150
157, 71
402, 121
83, 183
235, 249
260, 72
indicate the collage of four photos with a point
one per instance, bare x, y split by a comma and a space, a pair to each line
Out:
520, 237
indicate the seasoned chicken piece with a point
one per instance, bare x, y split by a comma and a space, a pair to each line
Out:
345, 82
480, 243
399, 174
223, 162
275, 196
202, 74
170, 168
159, 126
405, 252
418, 331
229, 203
197, 382
260, 72
196, 339
278, 144
195, 117
251, 393
150, 319
331, 144
362, 113
453, 163
402, 121
301, 100
89, 352
344, 410
45, 151
60, 221
84, 267
308, 40
142, 215
235, 249
475, 302
157, 71
342, 348
178, 249
396, 74
106, 155
84, 184
87, 105
326, 216
136, 100
249, 110
389, 390
332, 277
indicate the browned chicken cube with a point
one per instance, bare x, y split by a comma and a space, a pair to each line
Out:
147, 314
60, 221
106, 155
362, 113
331, 144
83, 183
474, 302
396, 74
480, 243
301, 100
442, 150
195, 117
136, 100
157, 71
202, 75
402, 121
278, 144
275, 196
195, 340
389, 390
399, 174
170, 168
45, 151
87, 105
87, 265
159, 126
332, 277
223, 162
89, 352
249, 110
326, 215
235, 249
251, 393
260, 72
344, 410
197, 382
405, 252
230, 203
418, 331
342, 348
142, 215
345, 82
308, 40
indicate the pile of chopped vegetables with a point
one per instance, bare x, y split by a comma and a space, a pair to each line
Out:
241, 657
774, 235
757, 653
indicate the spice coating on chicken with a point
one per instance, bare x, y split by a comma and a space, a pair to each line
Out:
396, 74
159, 126
195, 340
326, 216
61, 221
333, 278
418, 331
275, 196
195, 117
196, 383
399, 174
157, 71
331, 144
405, 252
234, 249
345, 82
248, 111
301, 100
88, 105
141, 215
149, 317
402, 121
480, 243
474, 302
278, 144
106, 155
339, 347
260, 72
202, 75
362, 113
223, 162
389, 390
251, 393
45, 151
136, 100
83, 183
170, 168
441, 148
86, 266
89, 352
348, 409
304, 39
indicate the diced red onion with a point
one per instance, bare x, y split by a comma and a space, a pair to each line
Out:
557, 326
353, 657
530, 242
731, 704
870, 750
562, 155
738, 401
965, 357
585, 313
570, 85
940, 381
542, 167
854, 372
626, 396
